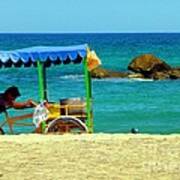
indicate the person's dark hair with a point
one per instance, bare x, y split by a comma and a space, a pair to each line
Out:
13, 90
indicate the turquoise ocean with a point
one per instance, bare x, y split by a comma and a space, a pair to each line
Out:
118, 104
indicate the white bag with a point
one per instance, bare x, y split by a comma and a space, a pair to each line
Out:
40, 114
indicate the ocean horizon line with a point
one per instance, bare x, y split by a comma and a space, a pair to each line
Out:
89, 33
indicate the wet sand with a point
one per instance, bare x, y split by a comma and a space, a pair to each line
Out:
95, 156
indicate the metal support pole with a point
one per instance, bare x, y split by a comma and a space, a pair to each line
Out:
42, 86
89, 122
42, 81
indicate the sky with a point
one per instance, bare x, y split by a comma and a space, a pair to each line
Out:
81, 16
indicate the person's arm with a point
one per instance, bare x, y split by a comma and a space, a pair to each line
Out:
21, 105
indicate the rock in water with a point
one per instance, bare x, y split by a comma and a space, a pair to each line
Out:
147, 65
174, 73
100, 72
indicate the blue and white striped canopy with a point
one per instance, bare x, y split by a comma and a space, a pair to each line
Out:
49, 55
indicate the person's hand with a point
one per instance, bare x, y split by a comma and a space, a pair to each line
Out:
46, 104
31, 103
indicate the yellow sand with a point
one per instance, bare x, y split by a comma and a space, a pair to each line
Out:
96, 156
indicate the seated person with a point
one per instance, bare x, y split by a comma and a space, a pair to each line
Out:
7, 100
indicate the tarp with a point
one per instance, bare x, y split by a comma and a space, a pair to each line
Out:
49, 55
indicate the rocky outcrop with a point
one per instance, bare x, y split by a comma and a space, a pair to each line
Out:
160, 75
152, 67
174, 73
101, 72
148, 65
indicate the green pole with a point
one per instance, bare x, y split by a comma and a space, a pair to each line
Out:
42, 81
42, 87
89, 122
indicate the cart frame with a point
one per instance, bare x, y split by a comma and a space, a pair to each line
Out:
28, 57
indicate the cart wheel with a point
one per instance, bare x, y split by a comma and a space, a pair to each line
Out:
66, 125
1, 131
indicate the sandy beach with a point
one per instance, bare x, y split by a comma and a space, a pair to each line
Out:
90, 156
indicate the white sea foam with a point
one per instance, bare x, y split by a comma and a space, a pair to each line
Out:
72, 76
123, 80
141, 79
112, 80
